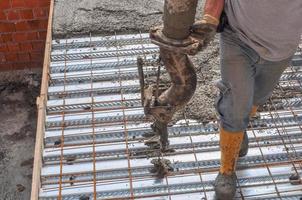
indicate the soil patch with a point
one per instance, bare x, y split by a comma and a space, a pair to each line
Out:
18, 92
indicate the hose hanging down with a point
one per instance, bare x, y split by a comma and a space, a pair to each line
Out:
175, 45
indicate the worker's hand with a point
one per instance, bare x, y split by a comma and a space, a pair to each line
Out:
203, 32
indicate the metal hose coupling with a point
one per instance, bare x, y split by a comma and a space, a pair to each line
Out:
175, 44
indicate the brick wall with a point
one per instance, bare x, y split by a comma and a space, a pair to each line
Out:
23, 25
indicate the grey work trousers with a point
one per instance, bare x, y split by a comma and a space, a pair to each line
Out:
247, 80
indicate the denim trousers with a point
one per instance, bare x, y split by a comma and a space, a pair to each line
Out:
246, 80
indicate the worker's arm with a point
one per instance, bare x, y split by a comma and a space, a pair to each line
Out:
212, 11
205, 29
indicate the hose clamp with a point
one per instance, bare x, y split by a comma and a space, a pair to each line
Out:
189, 46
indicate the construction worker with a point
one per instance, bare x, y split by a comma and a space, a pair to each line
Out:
258, 41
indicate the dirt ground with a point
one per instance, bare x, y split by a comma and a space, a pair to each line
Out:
18, 92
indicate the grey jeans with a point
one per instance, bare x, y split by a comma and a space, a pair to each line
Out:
247, 80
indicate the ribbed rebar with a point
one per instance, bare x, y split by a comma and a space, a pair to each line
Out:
104, 54
200, 147
100, 43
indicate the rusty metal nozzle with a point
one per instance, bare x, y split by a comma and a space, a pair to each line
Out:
175, 45
179, 16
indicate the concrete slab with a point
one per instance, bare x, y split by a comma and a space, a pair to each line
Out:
82, 17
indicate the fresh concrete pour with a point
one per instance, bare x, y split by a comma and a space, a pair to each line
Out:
75, 18
82, 17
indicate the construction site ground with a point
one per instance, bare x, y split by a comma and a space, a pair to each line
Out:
18, 92
75, 18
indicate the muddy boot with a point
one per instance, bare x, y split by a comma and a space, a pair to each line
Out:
225, 186
225, 183
244, 145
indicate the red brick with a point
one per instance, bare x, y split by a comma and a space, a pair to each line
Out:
18, 3
22, 26
32, 3
6, 37
23, 57
42, 35
40, 13
39, 46
3, 48
13, 15
13, 47
7, 27
34, 24
25, 36
38, 3
6, 66
5, 4
25, 46
44, 3
36, 64
32, 36
2, 15
19, 37
36, 56
43, 24
2, 58
26, 14
11, 57
20, 65
40, 24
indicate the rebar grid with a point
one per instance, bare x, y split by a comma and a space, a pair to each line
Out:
283, 130
94, 135
125, 124
93, 126
62, 138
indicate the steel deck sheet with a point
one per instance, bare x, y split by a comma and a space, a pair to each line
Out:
95, 132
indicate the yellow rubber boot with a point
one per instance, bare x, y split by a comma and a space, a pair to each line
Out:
225, 183
230, 143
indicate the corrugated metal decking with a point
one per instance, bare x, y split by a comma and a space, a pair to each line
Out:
95, 127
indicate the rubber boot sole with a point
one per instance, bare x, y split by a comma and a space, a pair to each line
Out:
225, 186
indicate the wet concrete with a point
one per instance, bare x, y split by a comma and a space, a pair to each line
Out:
82, 17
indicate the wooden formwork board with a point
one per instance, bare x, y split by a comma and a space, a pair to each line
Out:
41, 107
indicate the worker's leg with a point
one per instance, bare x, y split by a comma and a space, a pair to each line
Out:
234, 106
237, 85
267, 76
